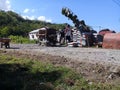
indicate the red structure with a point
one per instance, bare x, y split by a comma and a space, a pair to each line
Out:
111, 40
104, 31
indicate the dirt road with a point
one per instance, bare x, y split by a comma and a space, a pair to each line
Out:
92, 55
100, 65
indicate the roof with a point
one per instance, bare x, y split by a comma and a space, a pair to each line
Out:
37, 30
34, 31
42, 29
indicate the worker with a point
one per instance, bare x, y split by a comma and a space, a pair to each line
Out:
68, 33
62, 36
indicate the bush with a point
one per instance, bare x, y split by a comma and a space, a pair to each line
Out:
22, 40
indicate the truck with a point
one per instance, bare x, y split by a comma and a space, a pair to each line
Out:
47, 36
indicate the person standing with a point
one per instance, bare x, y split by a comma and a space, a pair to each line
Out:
62, 36
68, 33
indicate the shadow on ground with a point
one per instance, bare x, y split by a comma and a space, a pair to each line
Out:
19, 77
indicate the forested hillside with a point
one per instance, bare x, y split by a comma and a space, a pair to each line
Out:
12, 23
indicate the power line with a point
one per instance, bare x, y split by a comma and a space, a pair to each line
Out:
117, 2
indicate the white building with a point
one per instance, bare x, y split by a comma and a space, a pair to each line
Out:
33, 34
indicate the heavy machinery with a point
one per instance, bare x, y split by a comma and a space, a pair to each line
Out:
86, 34
47, 36
105, 38
68, 13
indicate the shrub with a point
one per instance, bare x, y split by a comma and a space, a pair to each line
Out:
20, 39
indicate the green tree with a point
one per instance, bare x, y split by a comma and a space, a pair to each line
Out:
12, 23
5, 31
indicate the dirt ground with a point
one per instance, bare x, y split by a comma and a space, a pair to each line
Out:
96, 65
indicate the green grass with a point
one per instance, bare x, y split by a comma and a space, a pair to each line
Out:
22, 40
25, 74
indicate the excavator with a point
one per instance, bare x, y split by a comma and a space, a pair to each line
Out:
86, 34
109, 40
68, 13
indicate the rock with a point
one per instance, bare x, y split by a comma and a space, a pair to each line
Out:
111, 76
115, 70
90, 83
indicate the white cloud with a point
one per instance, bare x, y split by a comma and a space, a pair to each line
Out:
29, 17
49, 20
43, 18
26, 10
5, 5
33, 10
40, 18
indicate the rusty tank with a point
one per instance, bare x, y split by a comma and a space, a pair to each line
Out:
111, 40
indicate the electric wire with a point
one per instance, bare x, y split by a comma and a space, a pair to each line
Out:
117, 2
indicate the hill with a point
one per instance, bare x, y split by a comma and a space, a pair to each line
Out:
12, 23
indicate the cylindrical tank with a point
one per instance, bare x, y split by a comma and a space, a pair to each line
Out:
111, 40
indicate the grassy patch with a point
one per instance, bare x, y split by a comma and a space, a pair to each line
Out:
25, 74
22, 40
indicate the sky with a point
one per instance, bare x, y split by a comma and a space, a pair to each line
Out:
99, 14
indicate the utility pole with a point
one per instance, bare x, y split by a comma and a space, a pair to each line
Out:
100, 28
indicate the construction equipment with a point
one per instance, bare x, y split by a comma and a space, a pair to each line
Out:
47, 36
86, 34
105, 38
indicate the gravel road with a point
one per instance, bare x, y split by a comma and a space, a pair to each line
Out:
94, 64
92, 55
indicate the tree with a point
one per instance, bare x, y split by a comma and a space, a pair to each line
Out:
12, 23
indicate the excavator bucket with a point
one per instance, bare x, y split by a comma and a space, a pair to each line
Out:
111, 40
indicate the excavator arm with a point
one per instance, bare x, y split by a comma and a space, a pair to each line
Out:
68, 13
